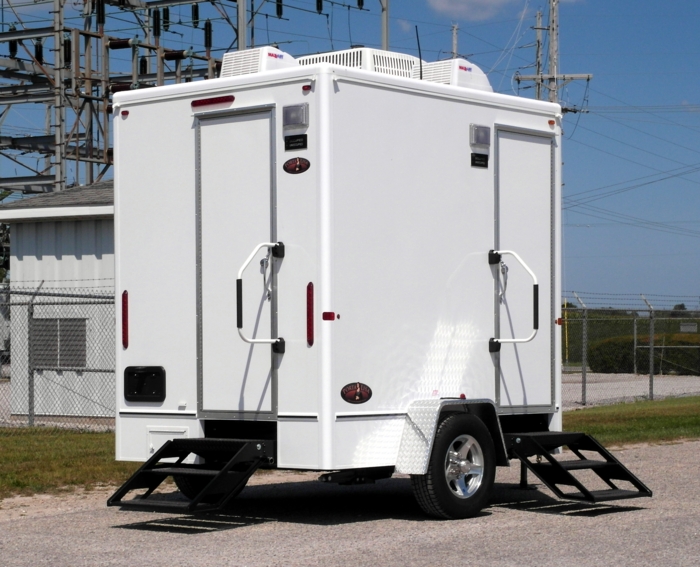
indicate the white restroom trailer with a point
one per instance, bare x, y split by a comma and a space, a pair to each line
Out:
335, 269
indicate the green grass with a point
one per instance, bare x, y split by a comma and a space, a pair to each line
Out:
39, 460
641, 422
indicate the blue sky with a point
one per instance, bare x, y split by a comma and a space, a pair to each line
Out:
632, 161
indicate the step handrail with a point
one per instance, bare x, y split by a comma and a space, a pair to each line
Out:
496, 255
277, 249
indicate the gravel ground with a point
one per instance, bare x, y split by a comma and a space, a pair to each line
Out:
289, 519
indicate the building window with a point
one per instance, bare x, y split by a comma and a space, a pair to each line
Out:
58, 343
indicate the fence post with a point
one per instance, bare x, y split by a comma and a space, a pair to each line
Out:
651, 348
635, 346
584, 346
651, 354
30, 367
584, 357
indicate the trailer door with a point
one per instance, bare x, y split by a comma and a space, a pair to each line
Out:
235, 213
524, 225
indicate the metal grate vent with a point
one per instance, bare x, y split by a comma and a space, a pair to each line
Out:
394, 63
435, 73
457, 72
397, 64
240, 63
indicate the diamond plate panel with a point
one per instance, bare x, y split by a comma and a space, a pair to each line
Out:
418, 434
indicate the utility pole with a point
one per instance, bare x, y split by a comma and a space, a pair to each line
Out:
538, 61
242, 23
455, 29
385, 24
554, 80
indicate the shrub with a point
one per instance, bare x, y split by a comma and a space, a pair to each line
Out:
616, 354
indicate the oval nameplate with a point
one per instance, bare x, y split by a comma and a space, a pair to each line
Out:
296, 165
356, 393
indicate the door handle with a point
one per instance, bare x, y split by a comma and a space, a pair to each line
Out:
277, 249
495, 258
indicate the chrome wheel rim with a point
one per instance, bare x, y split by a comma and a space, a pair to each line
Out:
464, 466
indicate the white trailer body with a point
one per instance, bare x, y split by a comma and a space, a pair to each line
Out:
327, 266
386, 268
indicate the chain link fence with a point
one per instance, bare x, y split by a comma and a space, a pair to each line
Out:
610, 356
57, 355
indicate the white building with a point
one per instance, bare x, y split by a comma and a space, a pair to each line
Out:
62, 249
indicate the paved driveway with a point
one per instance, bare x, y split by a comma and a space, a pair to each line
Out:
289, 519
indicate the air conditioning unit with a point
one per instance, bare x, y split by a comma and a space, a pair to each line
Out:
377, 60
256, 60
457, 72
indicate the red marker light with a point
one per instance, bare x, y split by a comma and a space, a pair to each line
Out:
213, 100
306, 88
125, 113
551, 122
310, 314
328, 316
125, 319
462, 397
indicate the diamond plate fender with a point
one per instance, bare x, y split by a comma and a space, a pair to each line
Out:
421, 423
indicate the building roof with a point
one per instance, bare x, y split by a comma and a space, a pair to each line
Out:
84, 201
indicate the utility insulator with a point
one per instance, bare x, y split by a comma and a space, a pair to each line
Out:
166, 18
39, 52
319, 6
100, 12
207, 35
67, 50
13, 42
143, 65
280, 8
360, 4
195, 15
156, 23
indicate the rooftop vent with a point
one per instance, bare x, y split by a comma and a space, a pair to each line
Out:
386, 62
458, 72
256, 60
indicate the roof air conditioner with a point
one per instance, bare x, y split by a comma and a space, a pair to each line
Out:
458, 72
256, 60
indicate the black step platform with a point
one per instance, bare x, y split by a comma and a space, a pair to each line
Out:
227, 463
556, 474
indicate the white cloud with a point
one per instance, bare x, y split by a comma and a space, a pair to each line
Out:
474, 10
405, 26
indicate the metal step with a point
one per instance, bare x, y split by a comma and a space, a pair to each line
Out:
184, 471
554, 473
607, 495
229, 463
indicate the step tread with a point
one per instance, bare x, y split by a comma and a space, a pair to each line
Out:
184, 471
580, 464
163, 505
605, 495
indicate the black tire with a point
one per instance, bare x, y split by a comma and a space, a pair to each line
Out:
461, 470
191, 486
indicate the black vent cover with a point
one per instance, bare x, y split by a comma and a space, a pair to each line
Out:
144, 384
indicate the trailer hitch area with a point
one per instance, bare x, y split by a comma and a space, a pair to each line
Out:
357, 476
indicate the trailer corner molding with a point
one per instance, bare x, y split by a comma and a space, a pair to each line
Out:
296, 165
356, 393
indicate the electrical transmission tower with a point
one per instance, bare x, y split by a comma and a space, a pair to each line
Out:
66, 75
553, 81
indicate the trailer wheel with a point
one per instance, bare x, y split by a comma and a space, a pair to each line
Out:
461, 469
191, 486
